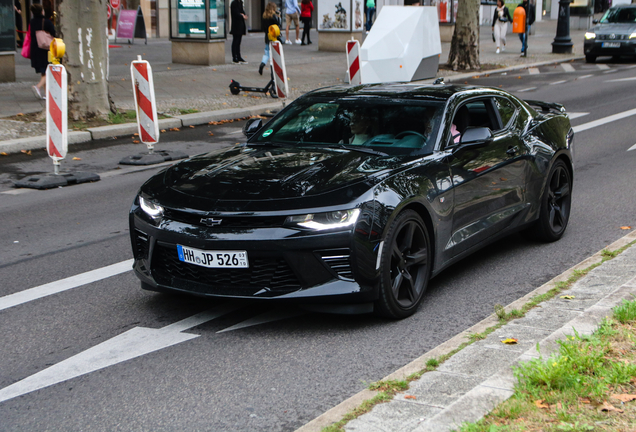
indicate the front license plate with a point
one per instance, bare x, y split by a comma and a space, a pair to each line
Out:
611, 45
213, 259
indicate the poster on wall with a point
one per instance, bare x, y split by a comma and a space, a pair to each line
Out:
335, 15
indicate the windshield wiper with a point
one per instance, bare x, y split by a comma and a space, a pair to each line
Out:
358, 149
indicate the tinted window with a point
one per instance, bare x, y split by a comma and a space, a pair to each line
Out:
506, 110
619, 15
391, 126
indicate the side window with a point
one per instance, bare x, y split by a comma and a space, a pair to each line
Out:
506, 110
475, 113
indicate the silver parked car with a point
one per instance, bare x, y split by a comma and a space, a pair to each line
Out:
614, 35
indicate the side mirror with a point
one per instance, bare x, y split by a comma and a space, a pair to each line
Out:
252, 126
476, 136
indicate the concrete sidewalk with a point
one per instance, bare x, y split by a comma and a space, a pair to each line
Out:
206, 88
478, 378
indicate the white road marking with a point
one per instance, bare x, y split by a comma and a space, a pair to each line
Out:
574, 115
567, 67
558, 82
631, 67
526, 89
235, 132
610, 71
585, 76
622, 79
632, 147
133, 169
64, 284
604, 120
270, 316
18, 191
602, 66
533, 71
129, 345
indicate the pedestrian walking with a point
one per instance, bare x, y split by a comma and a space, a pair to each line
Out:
18, 21
530, 16
500, 21
238, 29
370, 14
292, 12
306, 9
39, 56
271, 16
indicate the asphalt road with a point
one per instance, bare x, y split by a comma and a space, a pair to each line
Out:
255, 368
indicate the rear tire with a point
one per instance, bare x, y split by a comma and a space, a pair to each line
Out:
405, 266
590, 58
555, 205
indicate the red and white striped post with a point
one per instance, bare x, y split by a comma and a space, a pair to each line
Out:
353, 62
280, 73
144, 91
56, 114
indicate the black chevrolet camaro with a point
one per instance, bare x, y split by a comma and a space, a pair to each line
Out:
352, 197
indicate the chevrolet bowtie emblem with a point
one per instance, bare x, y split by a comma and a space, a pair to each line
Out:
211, 221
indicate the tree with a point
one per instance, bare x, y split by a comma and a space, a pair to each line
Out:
82, 25
464, 51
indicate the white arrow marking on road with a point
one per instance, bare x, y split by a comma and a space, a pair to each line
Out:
273, 315
584, 76
526, 89
64, 284
131, 344
567, 67
632, 147
604, 120
622, 79
574, 115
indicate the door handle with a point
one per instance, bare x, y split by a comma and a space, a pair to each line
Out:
512, 151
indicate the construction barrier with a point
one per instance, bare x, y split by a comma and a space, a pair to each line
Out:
56, 113
353, 62
278, 66
144, 92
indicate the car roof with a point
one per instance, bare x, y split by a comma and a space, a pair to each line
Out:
440, 92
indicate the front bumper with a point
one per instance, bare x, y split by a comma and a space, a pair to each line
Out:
595, 47
334, 267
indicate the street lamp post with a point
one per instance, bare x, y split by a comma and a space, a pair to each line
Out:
562, 43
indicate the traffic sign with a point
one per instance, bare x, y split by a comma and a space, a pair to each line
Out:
115, 3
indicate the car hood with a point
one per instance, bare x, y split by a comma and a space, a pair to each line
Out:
266, 173
616, 28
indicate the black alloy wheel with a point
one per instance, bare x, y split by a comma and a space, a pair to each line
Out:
555, 204
405, 266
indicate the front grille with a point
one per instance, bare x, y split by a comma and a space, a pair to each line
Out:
616, 37
271, 273
226, 221
142, 245
339, 261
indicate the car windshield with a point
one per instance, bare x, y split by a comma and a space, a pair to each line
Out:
391, 126
619, 15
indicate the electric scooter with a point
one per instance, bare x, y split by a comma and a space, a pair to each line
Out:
235, 87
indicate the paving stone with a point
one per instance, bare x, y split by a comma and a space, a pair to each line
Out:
440, 389
478, 361
526, 338
395, 415
546, 316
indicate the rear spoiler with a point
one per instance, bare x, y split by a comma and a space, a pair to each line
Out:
546, 106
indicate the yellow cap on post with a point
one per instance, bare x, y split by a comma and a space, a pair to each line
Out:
57, 51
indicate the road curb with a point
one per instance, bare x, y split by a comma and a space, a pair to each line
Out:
336, 413
112, 131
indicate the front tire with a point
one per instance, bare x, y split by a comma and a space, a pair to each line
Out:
555, 205
405, 266
590, 58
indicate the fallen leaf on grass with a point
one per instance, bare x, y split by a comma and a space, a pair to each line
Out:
559, 406
626, 227
607, 407
510, 341
567, 297
540, 404
409, 397
135, 141
191, 127
586, 401
26, 152
4, 154
624, 397
76, 158
19, 114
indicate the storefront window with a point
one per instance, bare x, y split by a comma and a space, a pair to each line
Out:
188, 18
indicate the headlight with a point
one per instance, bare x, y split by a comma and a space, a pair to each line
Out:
632, 36
590, 35
155, 211
324, 221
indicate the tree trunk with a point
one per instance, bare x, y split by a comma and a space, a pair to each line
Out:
82, 25
464, 51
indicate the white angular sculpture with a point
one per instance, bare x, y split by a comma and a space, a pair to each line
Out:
403, 45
